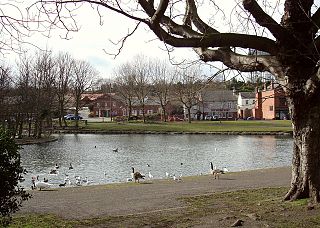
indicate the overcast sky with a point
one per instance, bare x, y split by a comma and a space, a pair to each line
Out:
90, 42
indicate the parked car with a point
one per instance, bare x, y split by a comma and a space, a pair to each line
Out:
213, 118
250, 118
73, 117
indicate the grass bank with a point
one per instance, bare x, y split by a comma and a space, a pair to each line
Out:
255, 207
195, 127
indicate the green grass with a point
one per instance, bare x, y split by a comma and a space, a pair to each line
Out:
256, 207
196, 126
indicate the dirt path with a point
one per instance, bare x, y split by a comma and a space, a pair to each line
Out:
150, 196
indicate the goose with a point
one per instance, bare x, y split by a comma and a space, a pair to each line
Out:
167, 175
148, 165
45, 179
115, 150
56, 166
63, 184
150, 176
216, 172
70, 166
136, 175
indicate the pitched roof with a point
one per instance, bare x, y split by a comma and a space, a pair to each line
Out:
91, 96
248, 95
219, 95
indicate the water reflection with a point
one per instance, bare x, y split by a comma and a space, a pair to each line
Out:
92, 155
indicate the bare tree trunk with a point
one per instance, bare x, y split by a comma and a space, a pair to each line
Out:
305, 180
189, 115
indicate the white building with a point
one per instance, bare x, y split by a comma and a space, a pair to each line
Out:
246, 102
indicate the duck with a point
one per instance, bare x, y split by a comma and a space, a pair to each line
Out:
115, 150
85, 180
175, 178
136, 176
167, 175
70, 166
53, 172
78, 180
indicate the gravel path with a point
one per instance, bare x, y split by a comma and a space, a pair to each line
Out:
146, 197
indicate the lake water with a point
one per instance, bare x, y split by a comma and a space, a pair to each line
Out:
92, 155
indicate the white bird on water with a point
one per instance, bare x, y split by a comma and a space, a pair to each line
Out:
150, 176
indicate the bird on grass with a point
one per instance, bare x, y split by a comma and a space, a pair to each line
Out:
136, 176
63, 184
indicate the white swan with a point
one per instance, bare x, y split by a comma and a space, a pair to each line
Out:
40, 184
150, 175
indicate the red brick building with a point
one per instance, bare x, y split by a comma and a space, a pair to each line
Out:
271, 104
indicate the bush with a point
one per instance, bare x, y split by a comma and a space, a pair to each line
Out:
11, 194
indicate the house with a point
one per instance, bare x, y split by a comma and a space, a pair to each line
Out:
151, 106
221, 103
271, 104
110, 104
246, 104
104, 105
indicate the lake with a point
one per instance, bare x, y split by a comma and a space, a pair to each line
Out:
93, 155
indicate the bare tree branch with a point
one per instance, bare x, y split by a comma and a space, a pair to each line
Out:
268, 22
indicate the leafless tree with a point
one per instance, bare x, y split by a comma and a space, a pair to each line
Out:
82, 79
142, 75
187, 89
64, 69
291, 44
124, 85
163, 76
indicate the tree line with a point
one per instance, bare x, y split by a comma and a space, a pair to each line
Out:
40, 87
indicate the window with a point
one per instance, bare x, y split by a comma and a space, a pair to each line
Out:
149, 112
247, 102
270, 108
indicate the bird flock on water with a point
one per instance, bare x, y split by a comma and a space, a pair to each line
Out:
135, 176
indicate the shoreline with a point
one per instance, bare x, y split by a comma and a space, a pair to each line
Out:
30, 140
117, 199
93, 131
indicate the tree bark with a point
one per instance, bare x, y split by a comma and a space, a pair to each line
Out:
305, 180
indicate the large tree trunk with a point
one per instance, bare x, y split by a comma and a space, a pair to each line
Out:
305, 180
